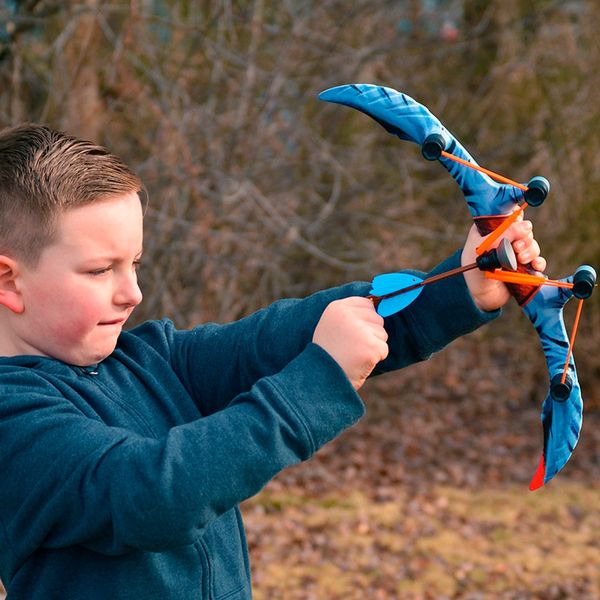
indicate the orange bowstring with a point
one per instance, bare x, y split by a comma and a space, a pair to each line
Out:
572, 340
492, 174
490, 239
487, 243
525, 279
515, 277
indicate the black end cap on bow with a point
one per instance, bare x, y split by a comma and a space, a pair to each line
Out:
432, 147
561, 391
538, 189
502, 257
584, 281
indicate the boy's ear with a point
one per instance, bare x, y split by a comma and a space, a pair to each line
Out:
10, 296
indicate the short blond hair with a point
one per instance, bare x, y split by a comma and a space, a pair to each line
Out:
44, 172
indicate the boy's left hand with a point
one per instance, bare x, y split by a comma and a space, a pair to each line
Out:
489, 294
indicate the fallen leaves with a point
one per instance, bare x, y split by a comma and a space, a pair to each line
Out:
427, 498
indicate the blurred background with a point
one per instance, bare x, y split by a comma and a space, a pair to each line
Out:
259, 191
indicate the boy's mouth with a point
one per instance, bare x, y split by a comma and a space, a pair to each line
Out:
113, 322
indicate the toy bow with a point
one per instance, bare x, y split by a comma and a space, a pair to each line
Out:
494, 203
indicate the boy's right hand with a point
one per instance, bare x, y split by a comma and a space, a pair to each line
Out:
352, 332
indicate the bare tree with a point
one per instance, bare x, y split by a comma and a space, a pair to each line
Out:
257, 189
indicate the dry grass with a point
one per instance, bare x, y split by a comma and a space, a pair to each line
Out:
447, 543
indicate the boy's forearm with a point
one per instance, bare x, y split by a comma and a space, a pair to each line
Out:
257, 346
113, 490
263, 343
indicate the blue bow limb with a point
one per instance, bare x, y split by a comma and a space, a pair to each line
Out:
489, 203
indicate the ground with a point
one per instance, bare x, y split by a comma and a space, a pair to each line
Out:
429, 499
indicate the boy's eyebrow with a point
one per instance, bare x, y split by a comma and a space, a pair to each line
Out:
110, 258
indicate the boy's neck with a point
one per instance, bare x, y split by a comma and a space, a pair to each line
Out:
10, 343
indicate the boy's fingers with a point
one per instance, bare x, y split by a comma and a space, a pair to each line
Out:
531, 252
523, 243
366, 309
384, 351
539, 264
380, 333
519, 230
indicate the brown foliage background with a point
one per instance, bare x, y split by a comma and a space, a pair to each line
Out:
260, 191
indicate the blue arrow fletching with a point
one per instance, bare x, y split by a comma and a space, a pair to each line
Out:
389, 283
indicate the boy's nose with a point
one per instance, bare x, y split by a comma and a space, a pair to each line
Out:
128, 292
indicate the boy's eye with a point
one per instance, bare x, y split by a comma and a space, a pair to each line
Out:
100, 271
135, 265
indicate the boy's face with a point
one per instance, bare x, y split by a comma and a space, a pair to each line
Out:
79, 295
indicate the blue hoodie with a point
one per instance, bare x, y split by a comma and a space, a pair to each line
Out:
122, 480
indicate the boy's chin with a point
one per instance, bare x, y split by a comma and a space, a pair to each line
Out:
100, 356
88, 357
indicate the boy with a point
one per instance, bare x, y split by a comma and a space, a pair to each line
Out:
124, 455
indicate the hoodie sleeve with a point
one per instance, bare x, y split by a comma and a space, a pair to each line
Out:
69, 479
443, 312
261, 344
